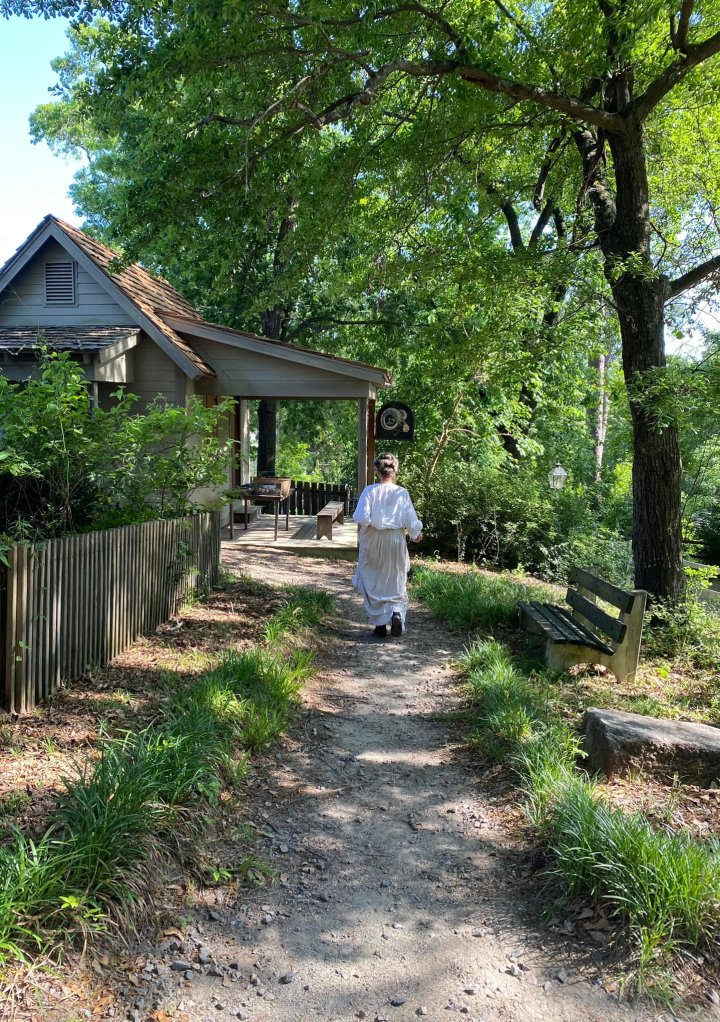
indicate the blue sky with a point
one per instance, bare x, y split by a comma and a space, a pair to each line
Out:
33, 182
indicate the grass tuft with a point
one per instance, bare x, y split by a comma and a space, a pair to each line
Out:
115, 811
472, 599
665, 888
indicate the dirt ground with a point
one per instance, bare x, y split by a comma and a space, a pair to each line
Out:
405, 882
402, 893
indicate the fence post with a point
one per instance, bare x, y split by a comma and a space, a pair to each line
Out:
10, 624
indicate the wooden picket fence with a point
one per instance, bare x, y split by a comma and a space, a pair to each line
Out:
79, 601
309, 498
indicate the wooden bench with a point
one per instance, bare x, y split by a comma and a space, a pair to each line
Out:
572, 634
334, 511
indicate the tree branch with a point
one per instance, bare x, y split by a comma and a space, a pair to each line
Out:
542, 221
510, 214
699, 273
681, 33
696, 54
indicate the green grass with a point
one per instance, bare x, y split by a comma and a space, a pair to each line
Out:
664, 888
473, 599
118, 811
302, 609
507, 706
13, 803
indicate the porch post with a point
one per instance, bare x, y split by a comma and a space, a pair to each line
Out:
243, 441
371, 439
362, 443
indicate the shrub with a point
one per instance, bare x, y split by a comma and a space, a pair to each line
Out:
688, 629
68, 466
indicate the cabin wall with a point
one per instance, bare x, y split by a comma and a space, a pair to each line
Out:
156, 375
23, 302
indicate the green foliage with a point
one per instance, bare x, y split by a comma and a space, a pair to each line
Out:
77, 467
665, 888
688, 630
472, 599
295, 460
115, 811
447, 221
506, 706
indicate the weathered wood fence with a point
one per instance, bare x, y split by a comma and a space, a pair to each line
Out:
309, 498
79, 601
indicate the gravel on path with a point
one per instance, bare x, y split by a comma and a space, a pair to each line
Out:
397, 898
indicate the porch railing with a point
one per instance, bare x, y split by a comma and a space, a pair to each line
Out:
309, 498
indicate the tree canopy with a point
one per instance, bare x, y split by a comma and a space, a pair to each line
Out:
471, 185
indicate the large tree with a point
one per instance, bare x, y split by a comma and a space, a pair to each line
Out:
615, 102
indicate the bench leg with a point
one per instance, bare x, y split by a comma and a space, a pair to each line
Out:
624, 662
324, 528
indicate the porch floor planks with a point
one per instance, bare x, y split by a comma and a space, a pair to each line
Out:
299, 539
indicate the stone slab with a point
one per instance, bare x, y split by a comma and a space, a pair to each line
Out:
616, 742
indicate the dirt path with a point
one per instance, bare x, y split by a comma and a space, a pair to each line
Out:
401, 894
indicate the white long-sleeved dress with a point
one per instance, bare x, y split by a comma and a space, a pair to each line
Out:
384, 513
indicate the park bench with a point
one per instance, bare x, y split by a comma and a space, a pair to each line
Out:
572, 634
334, 511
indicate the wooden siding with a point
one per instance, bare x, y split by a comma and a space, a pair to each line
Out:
79, 601
23, 302
118, 370
249, 374
156, 374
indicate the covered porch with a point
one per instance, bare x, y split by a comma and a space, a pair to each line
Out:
298, 539
251, 368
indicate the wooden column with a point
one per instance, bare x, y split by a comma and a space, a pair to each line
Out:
242, 443
362, 443
371, 439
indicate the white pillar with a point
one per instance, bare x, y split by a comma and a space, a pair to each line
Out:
362, 443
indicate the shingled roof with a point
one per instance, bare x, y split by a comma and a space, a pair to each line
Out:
63, 338
152, 295
160, 310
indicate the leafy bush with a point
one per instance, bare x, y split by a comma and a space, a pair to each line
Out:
689, 629
68, 466
510, 518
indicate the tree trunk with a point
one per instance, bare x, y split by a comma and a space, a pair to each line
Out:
267, 437
640, 299
271, 322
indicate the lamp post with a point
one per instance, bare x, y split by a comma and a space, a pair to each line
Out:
557, 477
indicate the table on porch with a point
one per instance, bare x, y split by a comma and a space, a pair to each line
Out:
261, 498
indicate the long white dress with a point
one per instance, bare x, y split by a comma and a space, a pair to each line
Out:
384, 513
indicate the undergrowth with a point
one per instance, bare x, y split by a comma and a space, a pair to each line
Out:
664, 888
119, 811
473, 599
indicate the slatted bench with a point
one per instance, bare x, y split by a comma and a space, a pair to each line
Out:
334, 511
572, 634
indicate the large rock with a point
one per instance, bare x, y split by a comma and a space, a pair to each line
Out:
616, 742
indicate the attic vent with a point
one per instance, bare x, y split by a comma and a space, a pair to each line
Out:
60, 283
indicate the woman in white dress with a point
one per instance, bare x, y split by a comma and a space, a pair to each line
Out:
384, 514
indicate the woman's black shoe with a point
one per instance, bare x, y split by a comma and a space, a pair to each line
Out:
381, 631
396, 625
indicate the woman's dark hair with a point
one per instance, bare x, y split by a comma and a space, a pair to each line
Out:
386, 465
